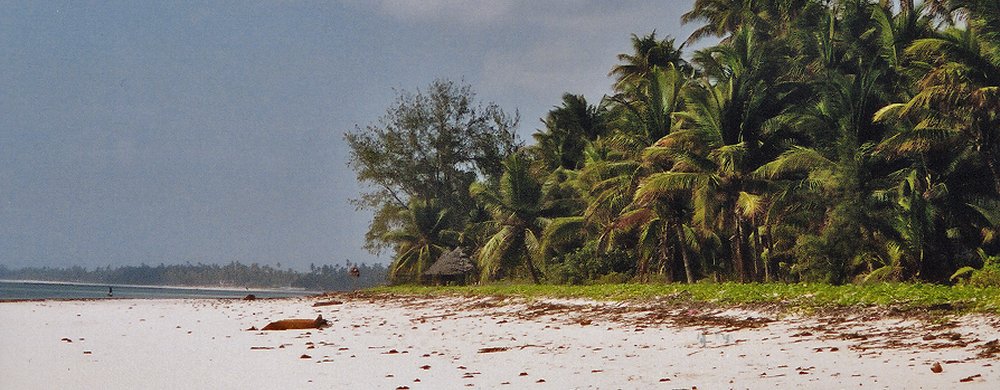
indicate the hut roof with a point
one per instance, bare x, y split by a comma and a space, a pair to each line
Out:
454, 262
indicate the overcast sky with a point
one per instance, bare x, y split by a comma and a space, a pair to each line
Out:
160, 132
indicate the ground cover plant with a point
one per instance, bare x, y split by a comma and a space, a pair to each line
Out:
898, 296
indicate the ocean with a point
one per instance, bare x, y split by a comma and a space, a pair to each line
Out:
14, 290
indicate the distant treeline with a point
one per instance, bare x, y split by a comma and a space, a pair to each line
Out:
234, 274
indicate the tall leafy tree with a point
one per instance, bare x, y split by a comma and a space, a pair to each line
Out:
429, 145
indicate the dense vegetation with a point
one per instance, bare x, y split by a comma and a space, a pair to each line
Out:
234, 274
831, 141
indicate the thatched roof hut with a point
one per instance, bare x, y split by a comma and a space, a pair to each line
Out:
453, 266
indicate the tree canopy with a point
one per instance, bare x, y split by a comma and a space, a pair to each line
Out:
837, 141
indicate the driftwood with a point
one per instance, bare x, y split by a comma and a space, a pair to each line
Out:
318, 323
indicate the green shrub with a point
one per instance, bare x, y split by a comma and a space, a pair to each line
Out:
612, 278
987, 276
587, 264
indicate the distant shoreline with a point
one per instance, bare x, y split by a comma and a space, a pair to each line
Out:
209, 288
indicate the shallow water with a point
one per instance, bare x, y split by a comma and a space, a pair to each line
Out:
13, 290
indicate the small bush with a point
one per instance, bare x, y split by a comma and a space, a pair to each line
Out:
587, 264
612, 278
987, 276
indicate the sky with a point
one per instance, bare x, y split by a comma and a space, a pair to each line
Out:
141, 132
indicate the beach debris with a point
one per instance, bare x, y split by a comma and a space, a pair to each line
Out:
250, 297
970, 378
88, 352
403, 388
318, 323
493, 349
260, 348
304, 356
67, 340
540, 381
328, 303
252, 328
936, 368
523, 374
989, 349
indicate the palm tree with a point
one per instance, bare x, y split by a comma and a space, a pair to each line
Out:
720, 139
518, 212
647, 52
724, 17
961, 90
424, 235
721, 17
568, 130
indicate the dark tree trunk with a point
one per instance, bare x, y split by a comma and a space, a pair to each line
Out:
666, 257
737, 255
739, 250
989, 156
533, 271
684, 253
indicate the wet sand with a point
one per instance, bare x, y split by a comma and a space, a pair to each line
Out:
384, 342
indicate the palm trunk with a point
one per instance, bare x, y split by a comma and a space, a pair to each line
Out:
665, 256
988, 155
758, 249
738, 247
769, 246
684, 253
533, 271
737, 255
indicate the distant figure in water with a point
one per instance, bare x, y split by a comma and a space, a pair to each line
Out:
111, 292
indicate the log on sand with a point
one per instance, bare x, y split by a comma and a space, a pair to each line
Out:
318, 323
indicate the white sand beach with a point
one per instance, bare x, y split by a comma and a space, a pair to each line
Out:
453, 343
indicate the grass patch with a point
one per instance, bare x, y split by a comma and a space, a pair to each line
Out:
904, 296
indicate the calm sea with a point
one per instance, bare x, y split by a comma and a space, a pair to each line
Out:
53, 290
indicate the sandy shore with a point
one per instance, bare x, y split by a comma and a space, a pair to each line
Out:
453, 343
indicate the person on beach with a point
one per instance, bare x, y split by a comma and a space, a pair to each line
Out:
111, 292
